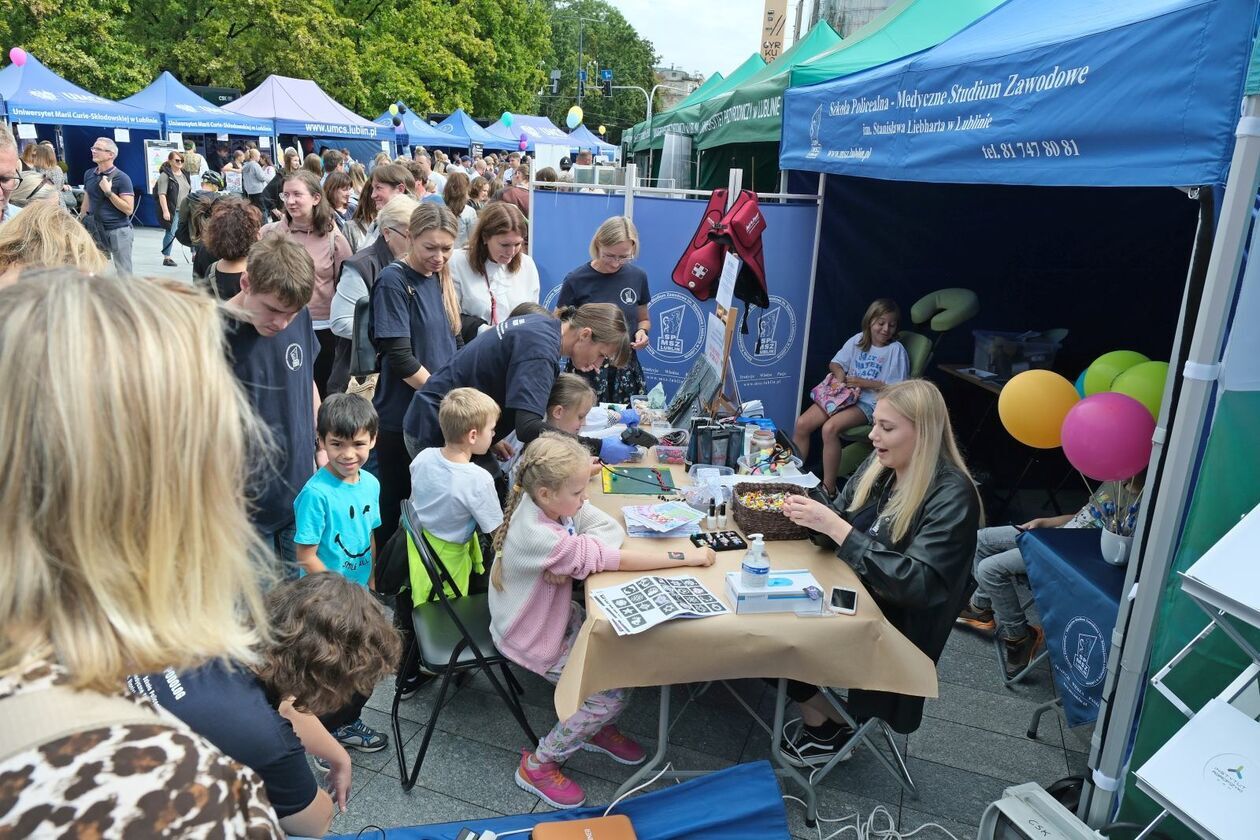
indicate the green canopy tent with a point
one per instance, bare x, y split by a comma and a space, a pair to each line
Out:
744, 128
636, 137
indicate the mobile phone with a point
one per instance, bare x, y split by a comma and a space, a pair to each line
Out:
843, 600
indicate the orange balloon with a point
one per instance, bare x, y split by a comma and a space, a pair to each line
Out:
1032, 407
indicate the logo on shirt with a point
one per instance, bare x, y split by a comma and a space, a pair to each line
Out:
293, 356
775, 334
629, 296
679, 327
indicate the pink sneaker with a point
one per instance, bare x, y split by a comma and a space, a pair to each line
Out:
615, 745
549, 784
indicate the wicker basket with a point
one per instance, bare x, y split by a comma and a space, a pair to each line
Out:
771, 524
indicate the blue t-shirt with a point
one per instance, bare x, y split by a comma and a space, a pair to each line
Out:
279, 379
339, 517
102, 208
229, 707
515, 364
406, 304
626, 288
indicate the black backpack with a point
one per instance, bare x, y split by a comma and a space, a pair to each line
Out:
194, 212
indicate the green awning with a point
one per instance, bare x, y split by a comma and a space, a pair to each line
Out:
631, 135
1253, 74
691, 113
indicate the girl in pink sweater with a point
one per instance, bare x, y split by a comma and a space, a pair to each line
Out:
551, 535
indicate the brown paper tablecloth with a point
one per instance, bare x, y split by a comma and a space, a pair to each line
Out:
852, 651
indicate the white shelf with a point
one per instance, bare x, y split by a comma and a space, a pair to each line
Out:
1208, 774
1227, 577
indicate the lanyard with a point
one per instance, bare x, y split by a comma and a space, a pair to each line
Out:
494, 320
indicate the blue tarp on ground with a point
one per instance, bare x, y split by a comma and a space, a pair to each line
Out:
1077, 92
534, 129
582, 138
34, 94
739, 803
186, 112
414, 130
299, 106
462, 131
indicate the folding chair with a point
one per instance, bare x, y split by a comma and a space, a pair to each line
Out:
862, 733
452, 637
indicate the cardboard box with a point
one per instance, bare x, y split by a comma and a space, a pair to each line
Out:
783, 592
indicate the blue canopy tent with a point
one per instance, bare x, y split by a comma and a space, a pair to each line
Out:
583, 139
462, 132
534, 129
414, 131
1031, 158
187, 113
301, 109
73, 118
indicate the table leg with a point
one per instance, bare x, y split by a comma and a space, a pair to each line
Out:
657, 760
785, 769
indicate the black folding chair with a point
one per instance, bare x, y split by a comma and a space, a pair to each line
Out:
452, 637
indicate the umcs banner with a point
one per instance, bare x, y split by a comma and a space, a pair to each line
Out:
564, 224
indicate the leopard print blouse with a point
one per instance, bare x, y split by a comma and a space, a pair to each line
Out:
158, 780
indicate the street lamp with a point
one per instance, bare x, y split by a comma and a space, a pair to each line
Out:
650, 97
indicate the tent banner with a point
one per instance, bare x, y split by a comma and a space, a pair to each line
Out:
1143, 99
370, 131
78, 115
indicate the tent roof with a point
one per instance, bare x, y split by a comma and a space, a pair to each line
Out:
906, 27
679, 113
418, 131
182, 110
299, 106
583, 138
34, 94
535, 129
699, 94
1124, 93
464, 131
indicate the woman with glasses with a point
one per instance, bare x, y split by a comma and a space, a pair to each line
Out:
495, 275
611, 277
171, 189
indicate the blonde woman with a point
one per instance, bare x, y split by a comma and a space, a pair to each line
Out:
495, 275
45, 235
906, 523
611, 277
113, 566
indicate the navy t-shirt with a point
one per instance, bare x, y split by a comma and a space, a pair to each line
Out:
515, 364
278, 376
626, 288
229, 707
110, 217
407, 304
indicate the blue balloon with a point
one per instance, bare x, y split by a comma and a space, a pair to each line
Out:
1080, 383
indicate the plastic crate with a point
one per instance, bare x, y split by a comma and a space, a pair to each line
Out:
1008, 353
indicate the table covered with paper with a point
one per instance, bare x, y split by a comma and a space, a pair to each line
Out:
847, 651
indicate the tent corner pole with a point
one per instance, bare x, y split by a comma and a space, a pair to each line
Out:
1172, 500
632, 182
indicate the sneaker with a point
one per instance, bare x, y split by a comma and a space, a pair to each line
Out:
322, 764
170, 263
977, 619
359, 736
1019, 652
815, 746
548, 783
611, 742
411, 685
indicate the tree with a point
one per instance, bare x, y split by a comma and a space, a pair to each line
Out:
518, 35
608, 42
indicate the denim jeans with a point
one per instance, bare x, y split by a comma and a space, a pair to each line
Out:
281, 542
997, 565
169, 237
120, 241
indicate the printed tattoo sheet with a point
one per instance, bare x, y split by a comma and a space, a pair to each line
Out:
645, 602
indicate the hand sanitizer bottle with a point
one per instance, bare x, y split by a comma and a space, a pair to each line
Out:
755, 569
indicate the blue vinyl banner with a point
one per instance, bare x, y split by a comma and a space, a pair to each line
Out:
1076, 92
563, 226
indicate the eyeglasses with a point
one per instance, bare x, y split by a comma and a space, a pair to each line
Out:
100, 150
617, 258
8, 182
177, 160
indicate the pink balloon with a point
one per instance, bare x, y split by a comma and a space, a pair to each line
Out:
18, 56
1108, 436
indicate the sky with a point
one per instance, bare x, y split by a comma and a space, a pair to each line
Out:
705, 36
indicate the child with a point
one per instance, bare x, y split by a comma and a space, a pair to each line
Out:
571, 398
340, 505
551, 536
336, 513
869, 361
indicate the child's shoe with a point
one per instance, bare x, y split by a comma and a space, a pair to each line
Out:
616, 746
359, 736
548, 783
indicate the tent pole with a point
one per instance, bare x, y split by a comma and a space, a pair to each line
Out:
1157, 549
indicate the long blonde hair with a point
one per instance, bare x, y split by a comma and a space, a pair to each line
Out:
127, 546
47, 236
550, 461
430, 216
919, 401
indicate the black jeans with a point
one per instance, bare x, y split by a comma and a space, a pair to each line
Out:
348, 713
324, 361
393, 471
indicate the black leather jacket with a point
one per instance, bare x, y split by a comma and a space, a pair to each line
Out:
920, 581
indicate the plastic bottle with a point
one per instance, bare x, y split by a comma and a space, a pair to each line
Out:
755, 569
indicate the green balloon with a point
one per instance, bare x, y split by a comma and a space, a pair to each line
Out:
1145, 383
1107, 367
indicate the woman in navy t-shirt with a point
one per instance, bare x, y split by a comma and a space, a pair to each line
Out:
414, 320
610, 277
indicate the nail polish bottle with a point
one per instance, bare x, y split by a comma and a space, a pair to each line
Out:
722, 515
711, 521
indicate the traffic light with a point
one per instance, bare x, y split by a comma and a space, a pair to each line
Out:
607, 86
581, 88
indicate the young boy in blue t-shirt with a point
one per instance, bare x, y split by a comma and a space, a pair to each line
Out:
336, 513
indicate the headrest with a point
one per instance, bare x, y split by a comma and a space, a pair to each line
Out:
945, 308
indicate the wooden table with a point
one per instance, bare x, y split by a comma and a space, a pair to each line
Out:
964, 372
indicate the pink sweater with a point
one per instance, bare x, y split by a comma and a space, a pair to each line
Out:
529, 616
327, 251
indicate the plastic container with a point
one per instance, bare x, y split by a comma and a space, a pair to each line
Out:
755, 569
790, 467
671, 454
1008, 353
721, 471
